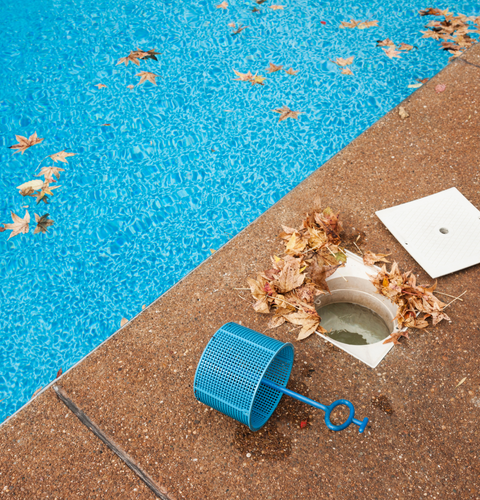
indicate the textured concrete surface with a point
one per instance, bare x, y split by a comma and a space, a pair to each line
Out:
423, 440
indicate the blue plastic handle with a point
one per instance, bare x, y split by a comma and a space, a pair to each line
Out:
327, 409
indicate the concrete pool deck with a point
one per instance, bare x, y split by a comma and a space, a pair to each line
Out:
138, 385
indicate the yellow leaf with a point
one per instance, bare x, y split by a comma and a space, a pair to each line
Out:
461, 382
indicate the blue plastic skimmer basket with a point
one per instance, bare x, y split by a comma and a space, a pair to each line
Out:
230, 372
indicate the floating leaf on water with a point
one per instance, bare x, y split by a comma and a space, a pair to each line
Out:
101, 86
19, 225
123, 322
147, 76
286, 112
274, 67
391, 52
61, 156
347, 71
276, 7
43, 223
291, 71
27, 187
415, 85
24, 143
340, 61
385, 43
49, 173
222, 5
135, 55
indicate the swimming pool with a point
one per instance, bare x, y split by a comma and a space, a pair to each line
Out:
162, 174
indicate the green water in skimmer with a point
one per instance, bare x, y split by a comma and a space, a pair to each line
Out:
353, 324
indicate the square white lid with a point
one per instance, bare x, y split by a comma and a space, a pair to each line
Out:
441, 231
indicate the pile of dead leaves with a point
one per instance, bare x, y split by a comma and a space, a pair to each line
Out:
454, 31
288, 289
411, 299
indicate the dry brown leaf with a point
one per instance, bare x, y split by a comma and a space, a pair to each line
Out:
286, 112
276, 7
243, 77
43, 223
308, 322
344, 62
405, 46
61, 156
147, 76
391, 52
135, 55
289, 277
101, 86
19, 225
385, 43
49, 173
291, 71
370, 258
222, 5
403, 113
123, 322
319, 274
24, 143
347, 71
274, 67
351, 24
257, 288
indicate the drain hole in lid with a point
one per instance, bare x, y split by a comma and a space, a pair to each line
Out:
444, 230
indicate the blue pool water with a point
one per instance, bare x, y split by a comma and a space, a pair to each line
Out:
184, 165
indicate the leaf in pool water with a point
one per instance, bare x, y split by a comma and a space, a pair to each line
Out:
130, 87
19, 225
222, 5
46, 189
59, 373
430, 34
286, 112
431, 12
238, 29
347, 71
340, 61
367, 24
37, 391
291, 71
255, 10
422, 80
405, 46
440, 88
135, 55
243, 77
257, 80
61, 156
385, 43
146, 76
274, 67
27, 188
391, 52
259, 2
370, 258
276, 7
24, 143
43, 223
106, 125
415, 85
101, 86
123, 322
49, 172
351, 24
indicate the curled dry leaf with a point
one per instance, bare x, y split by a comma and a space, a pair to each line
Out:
411, 299
403, 113
385, 43
405, 46
24, 143
370, 258
27, 188
344, 62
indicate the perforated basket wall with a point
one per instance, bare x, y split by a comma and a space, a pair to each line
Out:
231, 368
